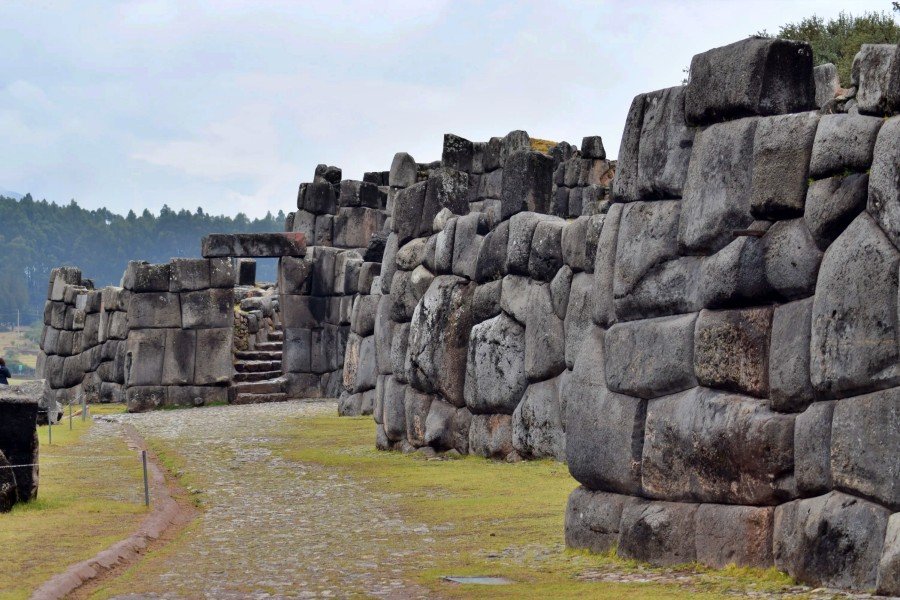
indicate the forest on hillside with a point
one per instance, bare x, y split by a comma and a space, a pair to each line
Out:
36, 235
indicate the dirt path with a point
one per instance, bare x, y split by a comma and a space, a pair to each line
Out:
270, 527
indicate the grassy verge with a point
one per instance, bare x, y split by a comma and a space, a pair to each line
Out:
500, 519
90, 496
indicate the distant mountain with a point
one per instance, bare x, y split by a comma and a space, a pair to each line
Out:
11, 194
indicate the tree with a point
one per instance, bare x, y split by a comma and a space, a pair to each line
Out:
838, 40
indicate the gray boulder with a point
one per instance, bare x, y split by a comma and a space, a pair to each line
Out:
439, 425
527, 183
781, 151
843, 141
467, 244
704, 446
661, 533
546, 257
394, 409
736, 535
515, 293
884, 191
875, 74
403, 170
833, 540
717, 192
865, 446
812, 449
790, 387
731, 350
593, 519
545, 338
411, 254
755, 76
604, 311
490, 436
406, 219
648, 233
854, 324
495, 372
486, 301
439, 338
417, 405
491, 263
399, 347
625, 182
828, 84
832, 204
665, 145
537, 422
8, 489
792, 259
888, 582
560, 286
578, 321
651, 357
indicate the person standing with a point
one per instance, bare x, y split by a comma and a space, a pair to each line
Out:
4, 372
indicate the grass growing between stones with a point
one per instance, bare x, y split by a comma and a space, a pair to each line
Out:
496, 519
90, 496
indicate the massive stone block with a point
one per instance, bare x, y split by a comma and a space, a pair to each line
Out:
651, 357
875, 73
403, 170
178, 363
253, 245
490, 436
791, 259
439, 338
214, 359
704, 446
353, 227
755, 76
781, 151
884, 180
665, 145
417, 405
578, 320
604, 430
832, 204
491, 263
527, 183
731, 350
833, 540
865, 446
843, 141
394, 409
647, 236
545, 338
537, 423
145, 351
854, 345
207, 309
546, 257
495, 371
740, 535
812, 449
604, 311
18, 444
790, 387
407, 216
661, 533
439, 425
467, 244
625, 182
593, 519
717, 191
888, 582
188, 274
154, 310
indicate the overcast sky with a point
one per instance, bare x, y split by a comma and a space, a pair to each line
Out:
229, 105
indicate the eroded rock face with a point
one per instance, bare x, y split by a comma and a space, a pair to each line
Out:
495, 370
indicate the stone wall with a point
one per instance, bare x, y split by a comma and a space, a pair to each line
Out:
19, 407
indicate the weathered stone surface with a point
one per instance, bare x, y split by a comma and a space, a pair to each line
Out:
812, 449
718, 188
661, 533
419, 280
843, 141
791, 259
145, 351
624, 185
546, 257
19, 405
443, 247
399, 347
404, 296
439, 338
154, 309
491, 262
865, 446
735, 275
467, 243
832, 204
144, 398
139, 276
790, 387
362, 319
593, 519
216, 365
447, 188
592, 147
403, 170
665, 145
253, 245
604, 311
394, 409
389, 264
828, 84
460, 426
888, 582
651, 357
884, 180
854, 345
360, 193
8, 490
178, 363
647, 236
521, 233
704, 446
417, 404
495, 371
515, 294
527, 183
439, 425
781, 151
406, 219
740, 535
297, 350
490, 436
188, 274
486, 301
833, 540
560, 287
537, 423
875, 73
545, 337
207, 309
457, 152
578, 321
411, 254
731, 350
755, 76
575, 245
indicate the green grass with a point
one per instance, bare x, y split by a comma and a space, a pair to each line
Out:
492, 518
89, 498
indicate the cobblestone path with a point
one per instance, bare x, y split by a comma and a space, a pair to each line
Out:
271, 528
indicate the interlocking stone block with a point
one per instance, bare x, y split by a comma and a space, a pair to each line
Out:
884, 191
537, 423
660, 533
495, 371
527, 183
790, 387
781, 152
665, 145
812, 449
832, 204
876, 73
593, 519
731, 350
843, 141
490, 436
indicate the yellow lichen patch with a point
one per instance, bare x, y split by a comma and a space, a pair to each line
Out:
90, 497
542, 145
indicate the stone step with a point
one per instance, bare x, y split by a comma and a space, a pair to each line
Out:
275, 336
258, 354
255, 366
270, 345
269, 386
259, 398
256, 376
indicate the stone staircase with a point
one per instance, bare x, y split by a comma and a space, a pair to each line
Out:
258, 375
